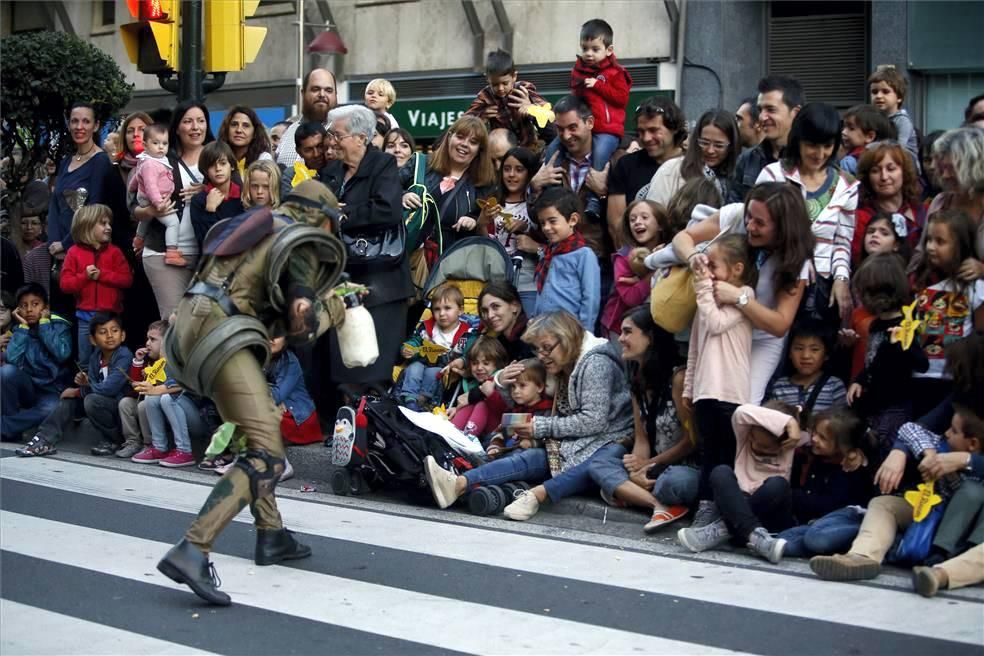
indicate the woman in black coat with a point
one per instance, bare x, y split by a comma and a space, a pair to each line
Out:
366, 182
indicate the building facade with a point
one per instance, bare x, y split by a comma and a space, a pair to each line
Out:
706, 54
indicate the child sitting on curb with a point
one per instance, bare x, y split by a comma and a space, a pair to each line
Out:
527, 395
98, 393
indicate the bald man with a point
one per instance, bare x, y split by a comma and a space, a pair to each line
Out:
501, 141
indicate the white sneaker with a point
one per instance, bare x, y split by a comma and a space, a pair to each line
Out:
524, 507
288, 471
442, 483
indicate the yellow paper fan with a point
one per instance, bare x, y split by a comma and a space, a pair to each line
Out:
542, 114
906, 332
922, 500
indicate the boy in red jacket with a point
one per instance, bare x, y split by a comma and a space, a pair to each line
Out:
95, 270
604, 84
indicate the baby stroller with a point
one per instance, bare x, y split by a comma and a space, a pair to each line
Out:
469, 264
379, 444
376, 443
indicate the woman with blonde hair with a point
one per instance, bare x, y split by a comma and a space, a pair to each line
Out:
580, 447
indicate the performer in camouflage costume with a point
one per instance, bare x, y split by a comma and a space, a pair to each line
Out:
256, 269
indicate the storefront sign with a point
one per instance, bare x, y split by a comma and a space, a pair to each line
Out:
427, 119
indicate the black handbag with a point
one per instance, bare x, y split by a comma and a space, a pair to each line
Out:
385, 247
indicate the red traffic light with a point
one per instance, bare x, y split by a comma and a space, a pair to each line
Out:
147, 10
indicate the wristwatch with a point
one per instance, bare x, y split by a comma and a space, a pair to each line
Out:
970, 462
743, 299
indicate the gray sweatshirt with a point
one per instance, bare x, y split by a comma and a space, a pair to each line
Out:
601, 407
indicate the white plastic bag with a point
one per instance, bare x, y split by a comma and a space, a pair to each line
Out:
357, 338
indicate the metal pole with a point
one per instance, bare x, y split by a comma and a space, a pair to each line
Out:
190, 77
300, 55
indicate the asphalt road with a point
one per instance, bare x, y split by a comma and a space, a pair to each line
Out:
80, 538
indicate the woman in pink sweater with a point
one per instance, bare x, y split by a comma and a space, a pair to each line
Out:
718, 364
754, 497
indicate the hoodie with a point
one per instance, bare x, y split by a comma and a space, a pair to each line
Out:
601, 406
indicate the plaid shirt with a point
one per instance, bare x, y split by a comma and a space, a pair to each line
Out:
914, 439
578, 170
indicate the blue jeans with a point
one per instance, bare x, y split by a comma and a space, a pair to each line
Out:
25, 405
420, 380
605, 468
157, 421
528, 300
183, 417
831, 534
677, 486
522, 465
85, 347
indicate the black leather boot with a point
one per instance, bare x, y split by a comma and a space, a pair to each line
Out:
274, 546
188, 565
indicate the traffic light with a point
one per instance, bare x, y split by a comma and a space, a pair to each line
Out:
230, 44
152, 42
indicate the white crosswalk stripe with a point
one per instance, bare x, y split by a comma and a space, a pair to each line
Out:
30, 630
439, 621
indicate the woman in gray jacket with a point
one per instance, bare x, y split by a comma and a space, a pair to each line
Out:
592, 418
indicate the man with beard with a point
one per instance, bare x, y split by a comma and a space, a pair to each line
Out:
319, 96
662, 129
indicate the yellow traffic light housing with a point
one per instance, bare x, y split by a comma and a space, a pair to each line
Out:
230, 44
152, 41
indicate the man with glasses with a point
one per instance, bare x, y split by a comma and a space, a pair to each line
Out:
662, 129
319, 97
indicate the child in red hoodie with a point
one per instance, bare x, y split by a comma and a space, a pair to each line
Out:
598, 78
95, 270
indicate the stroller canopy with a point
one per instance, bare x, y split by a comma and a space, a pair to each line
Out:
479, 259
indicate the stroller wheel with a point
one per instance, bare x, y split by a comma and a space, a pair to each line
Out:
511, 488
359, 483
341, 482
487, 500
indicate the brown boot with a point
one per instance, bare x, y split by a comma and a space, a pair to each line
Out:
174, 257
927, 581
845, 567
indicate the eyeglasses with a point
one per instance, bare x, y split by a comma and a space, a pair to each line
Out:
334, 136
546, 350
719, 146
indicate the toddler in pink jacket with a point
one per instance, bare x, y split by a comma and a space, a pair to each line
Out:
153, 182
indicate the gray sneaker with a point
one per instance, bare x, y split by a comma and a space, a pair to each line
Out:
762, 544
129, 449
707, 513
705, 537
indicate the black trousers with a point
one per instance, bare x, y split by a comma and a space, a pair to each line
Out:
102, 412
770, 506
717, 440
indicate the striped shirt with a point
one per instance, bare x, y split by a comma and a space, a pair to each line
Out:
832, 394
833, 227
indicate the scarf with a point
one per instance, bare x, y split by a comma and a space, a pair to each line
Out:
128, 162
234, 191
568, 245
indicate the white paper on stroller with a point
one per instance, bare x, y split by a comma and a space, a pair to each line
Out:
441, 426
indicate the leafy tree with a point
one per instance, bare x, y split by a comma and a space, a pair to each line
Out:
44, 74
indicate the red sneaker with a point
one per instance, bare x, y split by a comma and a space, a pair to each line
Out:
149, 456
178, 459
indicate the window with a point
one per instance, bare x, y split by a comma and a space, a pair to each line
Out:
107, 13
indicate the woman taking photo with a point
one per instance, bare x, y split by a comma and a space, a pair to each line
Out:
246, 135
775, 223
712, 152
187, 135
366, 183
831, 198
591, 423
460, 172
889, 185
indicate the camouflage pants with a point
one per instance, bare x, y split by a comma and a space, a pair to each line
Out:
243, 397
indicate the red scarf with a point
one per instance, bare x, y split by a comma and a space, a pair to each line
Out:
234, 191
568, 245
